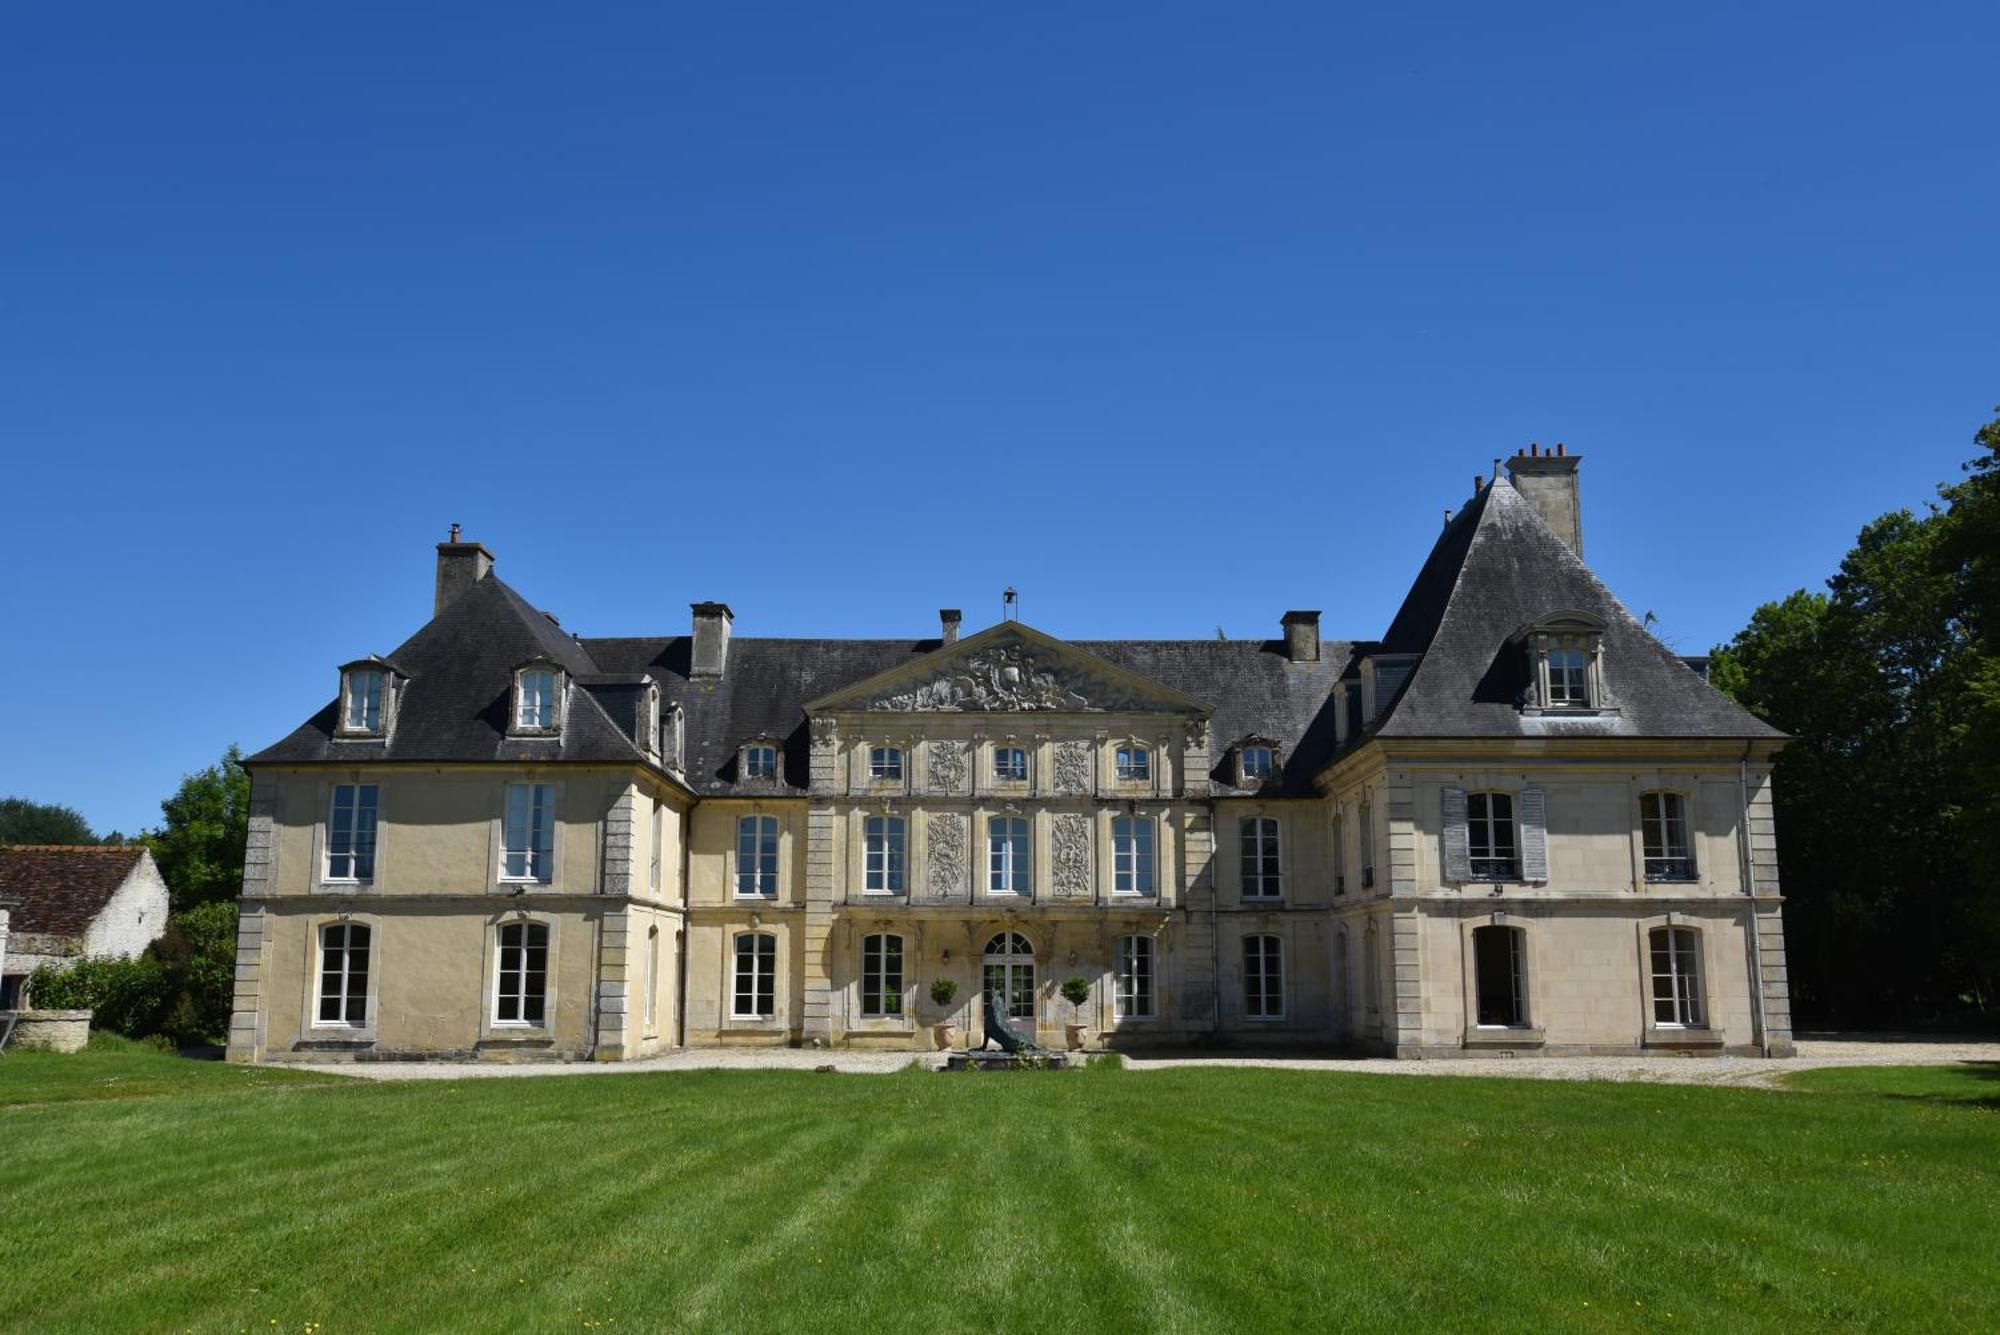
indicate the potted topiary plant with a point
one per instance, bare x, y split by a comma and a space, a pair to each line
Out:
1075, 991
942, 992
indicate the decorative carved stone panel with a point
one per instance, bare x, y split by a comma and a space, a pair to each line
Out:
1016, 676
1072, 856
1074, 768
944, 876
947, 766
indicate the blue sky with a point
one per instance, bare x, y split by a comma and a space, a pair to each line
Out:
1171, 316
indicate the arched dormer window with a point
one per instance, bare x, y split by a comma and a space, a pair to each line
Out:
1256, 762
649, 719
540, 691
673, 739
369, 688
1565, 664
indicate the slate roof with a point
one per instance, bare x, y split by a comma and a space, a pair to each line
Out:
59, 889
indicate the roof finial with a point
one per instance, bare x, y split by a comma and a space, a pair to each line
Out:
1010, 608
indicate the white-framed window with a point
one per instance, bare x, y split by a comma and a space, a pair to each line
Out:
1663, 826
1009, 970
535, 699
1258, 842
881, 975
755, 993
363, 706
1676, 954
885, 763
1132, 855
1007, 856
1263, 977
1490, 837
1255, 764
652, 975
1569, 679
1500, 975
884, 845
1135, 764
528, 833
760, 762
350, 833
521, 974
1010, 764
756, 857
1133, 996
1339, 840
343, 975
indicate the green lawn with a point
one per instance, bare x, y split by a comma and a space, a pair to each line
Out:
197, 1196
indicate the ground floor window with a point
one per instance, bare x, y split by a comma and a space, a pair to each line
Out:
1676, 953
343, 974
12, 988
1010, 971
1134, 994
881, 974
1263, 977
521, 979
652, 973
1498, 957
756, 976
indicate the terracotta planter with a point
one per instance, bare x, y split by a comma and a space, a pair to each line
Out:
941, 1035
1073, 1033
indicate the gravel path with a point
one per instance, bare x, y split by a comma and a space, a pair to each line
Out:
1830, 1050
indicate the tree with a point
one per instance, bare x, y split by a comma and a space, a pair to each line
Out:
200, 849
26, 822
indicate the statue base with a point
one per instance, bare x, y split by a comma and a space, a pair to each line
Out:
1006, 1061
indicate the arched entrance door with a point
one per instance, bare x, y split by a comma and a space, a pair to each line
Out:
1010, 971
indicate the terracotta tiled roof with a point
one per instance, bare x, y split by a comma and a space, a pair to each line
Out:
58, 889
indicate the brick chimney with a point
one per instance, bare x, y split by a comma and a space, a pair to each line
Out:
711, 639
948, 620
1301, 636
1547, 481
460, 566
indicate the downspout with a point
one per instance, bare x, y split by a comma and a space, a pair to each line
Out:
1750, 889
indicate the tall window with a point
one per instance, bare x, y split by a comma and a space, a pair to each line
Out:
881, 974
1256, 764
1135, 763
652, 975
343, 975
1339, 855
1500, 969
1134, 995
1371, 969
1676, 955
756, 989
1010, 972
521, 975
1663, 823
1489, 819
756, 857
1364, 830
885, 762
1569, 678
1010, 764
882, 855
1257, 838
1263, 977
760, 762
528, 833
364, 700
1007, 855
1132, 855
653, 863
350, 833
535, 701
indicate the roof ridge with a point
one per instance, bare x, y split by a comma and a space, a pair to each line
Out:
72, 848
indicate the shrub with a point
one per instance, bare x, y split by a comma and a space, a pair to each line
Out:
181, 988
1076, 991
943, 990
131, 997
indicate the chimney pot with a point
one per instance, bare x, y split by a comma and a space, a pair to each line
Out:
948, 622
1559, 449
711, 639
460, 565
1301, 636
454, 533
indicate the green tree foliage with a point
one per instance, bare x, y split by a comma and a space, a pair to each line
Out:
26, 822
181, 986
1888, 799
200, 849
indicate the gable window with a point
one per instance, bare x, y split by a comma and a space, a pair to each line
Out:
760, 762
1007, 855
1133, 995
881, 975
756, 857
1255, 764
882, 855
528, 833
1010, 765
343, 975
1135, 764
1664, 831
363, 711
535, 700
885, 762
1489, 823
521, 974
1132, 855
1257, 838
1500, 976
1263, 977
756, 984
1676, 953
350, 833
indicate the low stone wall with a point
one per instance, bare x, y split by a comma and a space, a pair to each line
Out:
55, 1031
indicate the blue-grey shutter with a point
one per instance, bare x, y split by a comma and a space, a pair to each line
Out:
1457, 848
1534, 835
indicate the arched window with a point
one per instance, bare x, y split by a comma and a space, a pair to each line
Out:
521, 973
883, 844
1133, 998
1132, 855
343, 975
756, 857
1007, 857
1263, 977
1499, 962
1676, 953
881, 974
756, 983
1010, 972
1489, 828
1135, 763
1258, 843
1663, 827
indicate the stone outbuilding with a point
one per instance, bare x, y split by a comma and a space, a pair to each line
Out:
69, 903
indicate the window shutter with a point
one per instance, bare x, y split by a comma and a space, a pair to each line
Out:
1457, 849
1534, 836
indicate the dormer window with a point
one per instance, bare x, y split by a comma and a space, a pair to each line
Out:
1254, 764
1135, 764
538, 698
1564, 664
363, 712
1569, 684
760, 761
